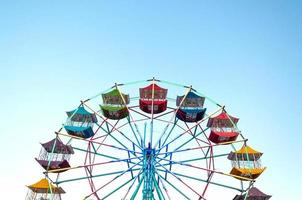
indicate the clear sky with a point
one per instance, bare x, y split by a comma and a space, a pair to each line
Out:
245, 54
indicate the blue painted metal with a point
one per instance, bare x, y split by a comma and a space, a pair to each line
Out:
135, 136
121, 133
164, 132
172, 185
128, 164
148, 171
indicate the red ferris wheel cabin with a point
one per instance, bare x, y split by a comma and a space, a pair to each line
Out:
223, 128
153, 99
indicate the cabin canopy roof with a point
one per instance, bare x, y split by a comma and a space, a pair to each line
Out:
80, 114
148, 93
114, 97
57, 146
253, 193
245, 153
191, 100
44, 186
222, 120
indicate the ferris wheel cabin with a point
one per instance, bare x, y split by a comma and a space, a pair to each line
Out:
80, 123
44, 190
54, 156
223, 128
114, 105
153, 99
246, 163
190, 107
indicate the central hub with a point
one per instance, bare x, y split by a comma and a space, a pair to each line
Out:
149, 153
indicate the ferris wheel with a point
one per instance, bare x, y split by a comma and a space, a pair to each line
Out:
150, 139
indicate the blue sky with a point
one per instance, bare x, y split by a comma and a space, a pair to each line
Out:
245, 54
